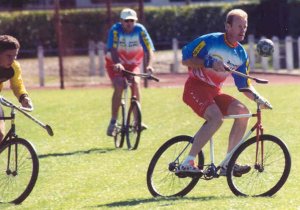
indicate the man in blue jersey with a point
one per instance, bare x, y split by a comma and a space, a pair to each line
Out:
205, 58
128, 43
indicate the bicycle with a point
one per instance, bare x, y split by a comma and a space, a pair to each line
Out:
267, 155
129, 125
19, 164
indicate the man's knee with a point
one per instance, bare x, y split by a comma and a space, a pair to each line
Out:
238, 108
214, 115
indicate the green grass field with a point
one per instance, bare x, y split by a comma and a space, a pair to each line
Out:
81, 169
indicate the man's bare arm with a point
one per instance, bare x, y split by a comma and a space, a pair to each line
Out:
193, 62
114, 55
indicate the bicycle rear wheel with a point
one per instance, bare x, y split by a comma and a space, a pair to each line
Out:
133, 125
19, 167
161, 178
266, 177
119, 132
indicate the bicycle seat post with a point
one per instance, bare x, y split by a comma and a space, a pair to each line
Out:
212, 154
13, 126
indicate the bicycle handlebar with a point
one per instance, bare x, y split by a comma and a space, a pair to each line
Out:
7, 103
142, 75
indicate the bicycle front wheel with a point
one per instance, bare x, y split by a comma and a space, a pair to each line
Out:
19, 167
134, 125
161, 177
119, 131
267, 175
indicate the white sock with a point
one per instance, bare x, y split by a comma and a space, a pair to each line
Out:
188, 159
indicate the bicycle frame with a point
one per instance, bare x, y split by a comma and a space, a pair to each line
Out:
247, 172
125, 103
131, 112
211, 171
129, 83
259, 131
12, 131
18, 155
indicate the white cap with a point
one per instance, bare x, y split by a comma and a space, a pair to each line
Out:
128, 14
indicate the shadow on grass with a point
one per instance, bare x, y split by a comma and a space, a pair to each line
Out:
90, 151
135, 202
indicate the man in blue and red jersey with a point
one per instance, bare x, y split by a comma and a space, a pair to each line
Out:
128, 43
205, 58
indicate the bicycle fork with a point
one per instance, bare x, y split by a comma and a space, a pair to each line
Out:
8, 169
259, 165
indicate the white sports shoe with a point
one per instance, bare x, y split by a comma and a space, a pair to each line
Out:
188, 168
238, 170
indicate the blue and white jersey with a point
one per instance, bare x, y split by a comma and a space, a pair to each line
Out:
217, 46
130, 46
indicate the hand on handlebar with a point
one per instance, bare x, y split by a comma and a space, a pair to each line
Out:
150, 69
265, 103
27, 103
118, 67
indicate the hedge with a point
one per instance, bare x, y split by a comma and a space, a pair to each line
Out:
185, 23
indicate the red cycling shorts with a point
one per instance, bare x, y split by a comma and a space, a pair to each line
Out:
199, 95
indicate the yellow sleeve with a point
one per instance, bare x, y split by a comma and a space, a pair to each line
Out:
16, 82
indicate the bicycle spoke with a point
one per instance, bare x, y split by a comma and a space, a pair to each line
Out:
161, 180
134, 125
16, 185
269, 176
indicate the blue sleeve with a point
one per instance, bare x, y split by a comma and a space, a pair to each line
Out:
113, 38
196, 48
240, 81
145, 39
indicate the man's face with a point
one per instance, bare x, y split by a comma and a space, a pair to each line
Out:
7, 58
238, 28
128, 25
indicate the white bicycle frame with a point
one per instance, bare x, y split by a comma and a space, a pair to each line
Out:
125, 102
228, 156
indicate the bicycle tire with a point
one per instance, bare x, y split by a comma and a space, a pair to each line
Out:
16, 185
161, 179
133, 125
120, 129
265, 180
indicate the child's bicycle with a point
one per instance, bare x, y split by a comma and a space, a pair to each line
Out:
19, 164
267, 156
129, 124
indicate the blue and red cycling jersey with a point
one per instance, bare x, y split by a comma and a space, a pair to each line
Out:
217, 46
130, 46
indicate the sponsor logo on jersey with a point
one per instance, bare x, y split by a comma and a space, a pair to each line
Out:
115, 39
146, 40
198, 48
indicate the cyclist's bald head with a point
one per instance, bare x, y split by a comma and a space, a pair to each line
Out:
235, 13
